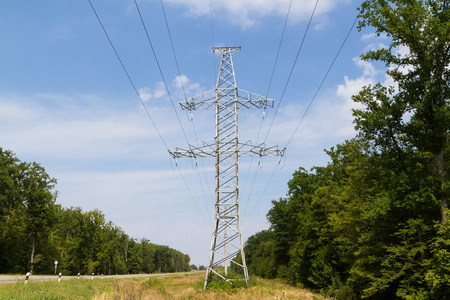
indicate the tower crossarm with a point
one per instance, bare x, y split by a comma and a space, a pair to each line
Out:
244, 149
244, 99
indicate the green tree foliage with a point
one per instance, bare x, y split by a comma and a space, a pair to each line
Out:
34, 232
260, 254
364, 226
419, 110
27, 212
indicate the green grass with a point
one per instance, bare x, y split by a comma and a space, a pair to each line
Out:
176, 286
66, 289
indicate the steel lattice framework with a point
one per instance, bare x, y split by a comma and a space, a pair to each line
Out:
226, 99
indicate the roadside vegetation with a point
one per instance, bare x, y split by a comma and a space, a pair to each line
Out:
184, 286
34, 231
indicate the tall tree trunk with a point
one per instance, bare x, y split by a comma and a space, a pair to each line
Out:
125, 252
439, 160
32, 253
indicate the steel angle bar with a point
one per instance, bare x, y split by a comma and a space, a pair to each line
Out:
236, 263
227, 241
218, 274
217, 263
206, 100
244, 99
232, 244
234, 229
232, 50
244, 149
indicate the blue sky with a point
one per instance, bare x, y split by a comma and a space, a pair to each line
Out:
66, 102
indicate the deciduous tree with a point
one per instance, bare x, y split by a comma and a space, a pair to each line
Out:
418, 111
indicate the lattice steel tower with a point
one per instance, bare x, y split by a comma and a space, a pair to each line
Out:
226, 99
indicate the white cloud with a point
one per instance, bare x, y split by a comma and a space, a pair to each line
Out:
109, 158
180, 81
52, 126
374, 41
157, 92
249, 13
353, 86
190, 88
401, 51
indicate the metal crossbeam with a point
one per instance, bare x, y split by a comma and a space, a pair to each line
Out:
245, 99
209, 150
226, 100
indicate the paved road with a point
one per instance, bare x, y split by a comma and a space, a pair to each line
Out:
16, 278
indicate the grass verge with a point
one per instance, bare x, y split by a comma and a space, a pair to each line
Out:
179, 286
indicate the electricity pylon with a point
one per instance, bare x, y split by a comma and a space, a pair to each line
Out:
226, 99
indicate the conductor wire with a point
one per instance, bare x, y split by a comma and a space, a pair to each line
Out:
292, 69
185, 97
160, 70
128, 75
322, 82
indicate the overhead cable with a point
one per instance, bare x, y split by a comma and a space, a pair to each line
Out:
185, 97
290, 74
279, 47
212, 35
267, 94
262, 193
192, 197
323, 80
311, 102
292, 69
173, 48
160, 70
142, 102
128, 75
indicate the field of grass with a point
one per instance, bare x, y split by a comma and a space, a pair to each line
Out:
180, 286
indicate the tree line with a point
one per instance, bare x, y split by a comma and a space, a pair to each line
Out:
373, 223
35, 232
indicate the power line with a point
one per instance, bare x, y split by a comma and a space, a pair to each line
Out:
279, 47
173, 48
128, 75
267, 94
262, 193
251, 191
160, 70
212, 35
323, 80
290, 74
185, 97
192, 197
145, 108
310, 103
292, 69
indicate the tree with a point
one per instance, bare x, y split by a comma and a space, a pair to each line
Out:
418, 112
27, 207
361, 227
34, 231
10, 202
39, 203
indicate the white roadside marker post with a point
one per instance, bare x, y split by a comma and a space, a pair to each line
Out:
92, 276
78, 276
59, 277
27, 277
